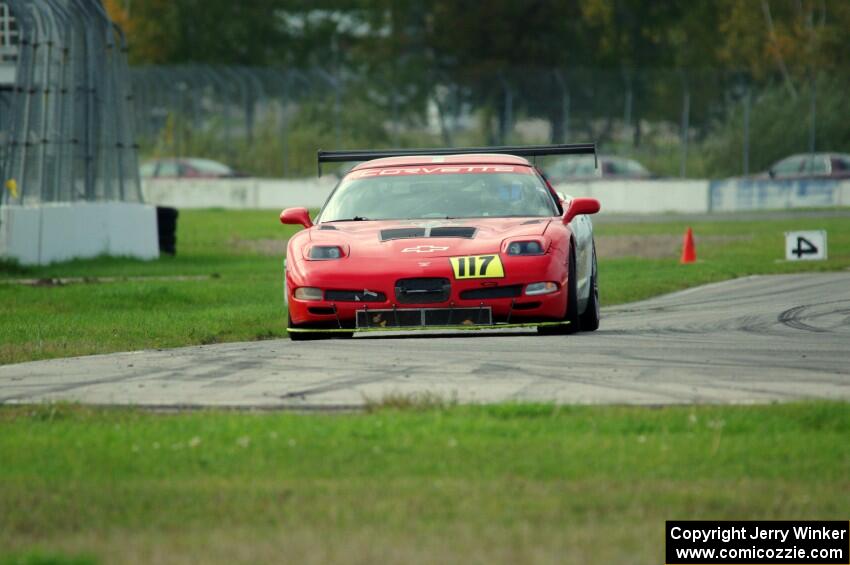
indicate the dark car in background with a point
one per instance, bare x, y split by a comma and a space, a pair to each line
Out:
187, 168
810, 166
569, 169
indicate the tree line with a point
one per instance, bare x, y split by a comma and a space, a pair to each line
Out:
514, 52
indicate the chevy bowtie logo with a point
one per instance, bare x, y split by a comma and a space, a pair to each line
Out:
423, 249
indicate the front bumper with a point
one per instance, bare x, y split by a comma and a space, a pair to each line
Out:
377, 278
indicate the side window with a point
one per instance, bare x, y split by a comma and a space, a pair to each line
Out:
788, 167
816, 165
636, 169
148, 170
840, 164
586, 168
168, 169
188, 171
618, 168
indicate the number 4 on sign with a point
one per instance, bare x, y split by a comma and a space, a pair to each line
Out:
805, 245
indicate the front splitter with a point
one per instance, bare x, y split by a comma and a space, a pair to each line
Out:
428, 328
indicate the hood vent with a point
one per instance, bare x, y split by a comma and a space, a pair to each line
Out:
411, 233
402, 233
453, 231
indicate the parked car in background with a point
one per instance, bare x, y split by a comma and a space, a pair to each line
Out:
810, 166
189, 168
571, 168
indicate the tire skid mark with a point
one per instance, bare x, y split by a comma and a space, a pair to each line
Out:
67, 387
794, 318
595, 382
338, 384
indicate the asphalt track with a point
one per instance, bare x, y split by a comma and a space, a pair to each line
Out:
757, 339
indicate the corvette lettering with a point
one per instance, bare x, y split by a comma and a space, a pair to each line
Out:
438, 170
477, 267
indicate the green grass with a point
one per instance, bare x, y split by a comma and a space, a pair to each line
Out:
426, 484
240, 298
240, 295
750, 247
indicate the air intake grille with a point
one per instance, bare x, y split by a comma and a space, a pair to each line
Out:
354, 296
424, 317
422, 291
492, 292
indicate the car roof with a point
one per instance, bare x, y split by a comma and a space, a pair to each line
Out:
818, 154
459, 159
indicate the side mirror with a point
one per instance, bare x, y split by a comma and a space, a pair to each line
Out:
581, 206
296, 216
771, 173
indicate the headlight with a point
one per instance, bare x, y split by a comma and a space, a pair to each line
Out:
325, 252
536, 289
308, 293
525, 248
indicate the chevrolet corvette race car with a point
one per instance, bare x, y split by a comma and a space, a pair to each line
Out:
443, 238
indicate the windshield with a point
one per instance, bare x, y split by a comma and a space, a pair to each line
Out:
210, 167
420, 193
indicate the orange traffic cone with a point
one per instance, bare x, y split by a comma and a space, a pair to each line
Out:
689, 251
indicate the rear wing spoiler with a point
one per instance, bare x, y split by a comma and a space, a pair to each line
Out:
518, 150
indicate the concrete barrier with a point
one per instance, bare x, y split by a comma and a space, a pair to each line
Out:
40, 235
238, 193
766, 194
659, 196
703, 196
644, 196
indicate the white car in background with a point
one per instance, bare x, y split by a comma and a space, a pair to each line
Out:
569, 169
187, 168
810, 166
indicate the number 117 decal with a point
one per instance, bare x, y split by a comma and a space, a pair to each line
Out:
477, 267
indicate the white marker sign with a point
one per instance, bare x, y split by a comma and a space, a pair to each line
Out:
805, 245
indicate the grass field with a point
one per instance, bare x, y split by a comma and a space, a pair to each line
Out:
429, 484
410, 480
225, 283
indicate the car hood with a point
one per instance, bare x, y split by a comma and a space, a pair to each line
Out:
419, 238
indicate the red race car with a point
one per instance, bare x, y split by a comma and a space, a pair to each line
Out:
470, 238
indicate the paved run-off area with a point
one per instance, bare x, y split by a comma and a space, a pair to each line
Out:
757, 339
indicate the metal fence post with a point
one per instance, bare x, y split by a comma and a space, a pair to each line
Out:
627, 109
24, 77
335, 83
746, 149
506, 125
686, 116
565, 106
813, 94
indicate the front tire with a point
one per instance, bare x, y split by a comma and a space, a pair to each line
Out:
312, 335
590, 318
571, 315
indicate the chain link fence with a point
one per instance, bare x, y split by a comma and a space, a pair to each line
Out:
679, 122
67, 118
69, 128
